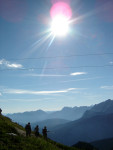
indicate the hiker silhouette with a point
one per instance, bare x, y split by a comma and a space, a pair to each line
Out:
44, 132
28, 129
36, 130
0, 111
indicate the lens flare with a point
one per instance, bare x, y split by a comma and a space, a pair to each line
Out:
61, 8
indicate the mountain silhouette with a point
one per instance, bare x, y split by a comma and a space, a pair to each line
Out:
67, 113
105, 107
31, 116
85, 129
95, 126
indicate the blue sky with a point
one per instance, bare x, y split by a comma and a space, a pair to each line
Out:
74, 70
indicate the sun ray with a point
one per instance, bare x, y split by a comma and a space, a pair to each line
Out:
51, 41
40, 42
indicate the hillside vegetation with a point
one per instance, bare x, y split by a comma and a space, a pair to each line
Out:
12, 139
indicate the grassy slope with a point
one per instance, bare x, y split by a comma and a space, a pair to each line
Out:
9, 142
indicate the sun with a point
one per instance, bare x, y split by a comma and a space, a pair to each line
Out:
60, 25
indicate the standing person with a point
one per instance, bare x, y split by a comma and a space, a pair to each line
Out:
28, 129
0, 111
36, 130
44, 132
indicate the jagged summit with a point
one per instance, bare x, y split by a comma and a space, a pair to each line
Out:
105, 107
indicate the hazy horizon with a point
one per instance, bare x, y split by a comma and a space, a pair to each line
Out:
56, 109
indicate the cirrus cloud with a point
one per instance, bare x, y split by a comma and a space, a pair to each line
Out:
44, 75
107, 87
77, 73
7, 64
21, 91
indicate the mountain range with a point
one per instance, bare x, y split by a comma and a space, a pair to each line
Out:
100, 109
67, 113
96, 124
71, 125
90, 129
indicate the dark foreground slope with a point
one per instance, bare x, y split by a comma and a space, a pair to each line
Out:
105, 144
12, 139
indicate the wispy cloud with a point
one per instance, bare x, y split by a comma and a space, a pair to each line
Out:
107, 87
0, 94
7, 64
111, 62
45, 75
55, 75
77, 73
21, 91
82, 79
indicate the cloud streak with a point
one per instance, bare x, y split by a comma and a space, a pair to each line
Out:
55, 75
30, 92
107, 87
45, 75
84, 79
7, 64
77, 73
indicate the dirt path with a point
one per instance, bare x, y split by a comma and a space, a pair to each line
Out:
21, 132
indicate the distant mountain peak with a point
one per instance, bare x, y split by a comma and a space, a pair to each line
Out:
105, 107
66, 108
